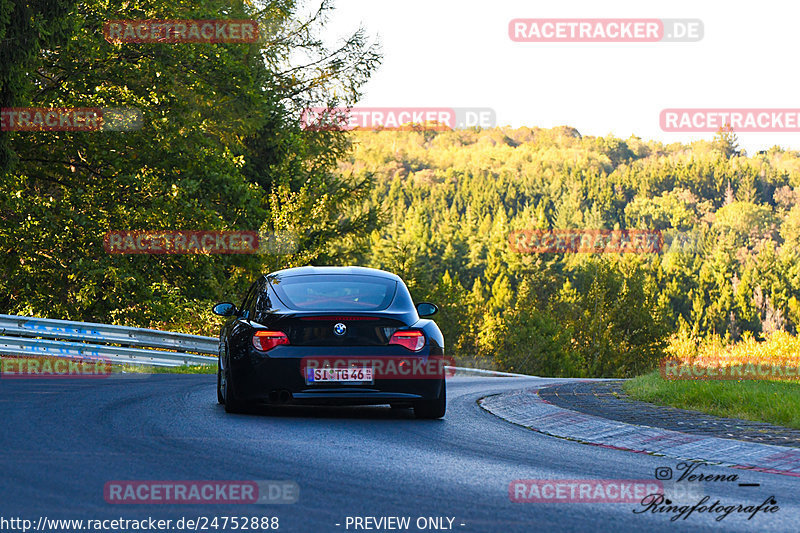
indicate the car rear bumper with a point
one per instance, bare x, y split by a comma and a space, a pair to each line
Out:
281, 380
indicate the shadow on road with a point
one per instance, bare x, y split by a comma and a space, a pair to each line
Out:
352, 412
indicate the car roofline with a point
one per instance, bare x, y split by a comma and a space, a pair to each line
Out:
333, 270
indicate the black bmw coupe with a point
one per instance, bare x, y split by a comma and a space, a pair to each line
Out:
331, 335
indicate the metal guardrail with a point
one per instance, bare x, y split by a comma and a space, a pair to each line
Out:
27, 336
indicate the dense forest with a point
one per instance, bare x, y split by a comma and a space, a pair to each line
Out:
729, 265
221, 147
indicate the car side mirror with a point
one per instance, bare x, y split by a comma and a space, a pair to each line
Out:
225, 309
426, 309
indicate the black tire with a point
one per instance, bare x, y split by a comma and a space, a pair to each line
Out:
432, 408
220, 397
232, 403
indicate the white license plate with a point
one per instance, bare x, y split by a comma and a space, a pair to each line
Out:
339, 375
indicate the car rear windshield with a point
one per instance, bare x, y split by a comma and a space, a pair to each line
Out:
335, 292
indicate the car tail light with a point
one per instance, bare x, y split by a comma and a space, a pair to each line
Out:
267, 340
412, 339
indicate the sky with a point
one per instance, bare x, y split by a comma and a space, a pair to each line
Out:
446, 53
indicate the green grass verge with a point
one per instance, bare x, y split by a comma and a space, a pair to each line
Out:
183, 369
774, 402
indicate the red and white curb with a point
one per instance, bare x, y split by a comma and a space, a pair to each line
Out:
525, 408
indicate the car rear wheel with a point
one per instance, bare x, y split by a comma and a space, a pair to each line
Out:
232, 403
220, 397
432, 408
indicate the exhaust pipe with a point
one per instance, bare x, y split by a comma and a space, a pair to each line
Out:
285, 396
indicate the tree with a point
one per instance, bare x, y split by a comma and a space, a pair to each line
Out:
220, 148
26, 28
726, 142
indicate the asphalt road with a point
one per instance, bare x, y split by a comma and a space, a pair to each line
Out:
62, 440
